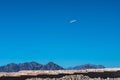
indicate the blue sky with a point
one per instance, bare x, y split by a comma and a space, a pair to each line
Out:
40, 30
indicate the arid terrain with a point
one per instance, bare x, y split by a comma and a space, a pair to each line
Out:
87, 74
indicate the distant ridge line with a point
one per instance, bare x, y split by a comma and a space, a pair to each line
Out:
12, 67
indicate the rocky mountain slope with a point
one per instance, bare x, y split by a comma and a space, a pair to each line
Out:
12, 67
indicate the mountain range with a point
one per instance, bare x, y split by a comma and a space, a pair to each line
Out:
12, 67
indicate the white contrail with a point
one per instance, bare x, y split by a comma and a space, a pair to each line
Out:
72, 21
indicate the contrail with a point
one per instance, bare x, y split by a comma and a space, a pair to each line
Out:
72, 21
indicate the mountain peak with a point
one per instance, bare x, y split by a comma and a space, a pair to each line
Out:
52, 66
50, 63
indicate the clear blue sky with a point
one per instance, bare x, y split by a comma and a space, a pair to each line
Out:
39, 30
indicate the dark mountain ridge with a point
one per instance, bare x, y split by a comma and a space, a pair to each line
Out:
12, 67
